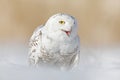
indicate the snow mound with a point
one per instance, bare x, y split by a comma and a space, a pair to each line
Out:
95, 64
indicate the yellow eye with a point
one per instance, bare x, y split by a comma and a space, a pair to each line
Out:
62, 22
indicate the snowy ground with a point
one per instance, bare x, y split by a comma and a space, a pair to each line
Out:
95, 64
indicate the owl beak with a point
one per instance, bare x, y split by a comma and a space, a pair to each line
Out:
67, 32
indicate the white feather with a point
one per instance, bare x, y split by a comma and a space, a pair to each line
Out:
53, 45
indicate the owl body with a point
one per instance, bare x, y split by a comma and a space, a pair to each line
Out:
53, 44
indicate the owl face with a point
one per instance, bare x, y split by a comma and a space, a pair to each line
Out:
62, 23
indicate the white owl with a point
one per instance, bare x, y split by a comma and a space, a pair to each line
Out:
56, 43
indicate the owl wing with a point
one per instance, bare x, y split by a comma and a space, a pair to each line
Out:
76, 57
35, 45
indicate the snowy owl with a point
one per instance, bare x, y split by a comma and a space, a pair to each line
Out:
56, 43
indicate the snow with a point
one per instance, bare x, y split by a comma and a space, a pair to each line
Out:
95, 64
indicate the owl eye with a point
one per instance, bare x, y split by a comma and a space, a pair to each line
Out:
62, 22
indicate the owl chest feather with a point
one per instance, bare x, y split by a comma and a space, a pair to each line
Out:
62, 46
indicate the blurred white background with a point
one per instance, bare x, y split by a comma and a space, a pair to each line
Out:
99, 31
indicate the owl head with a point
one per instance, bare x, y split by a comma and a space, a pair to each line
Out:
63, 23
